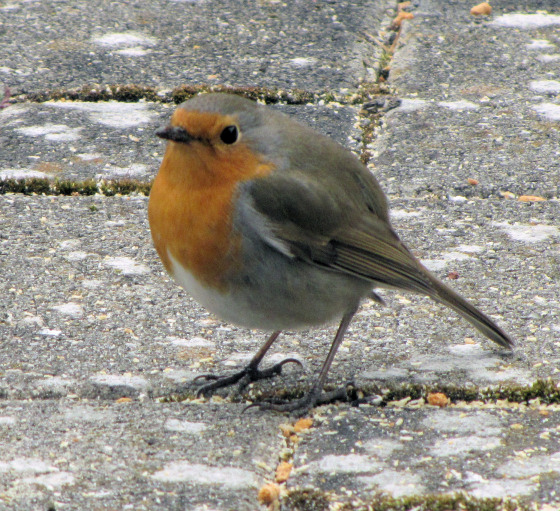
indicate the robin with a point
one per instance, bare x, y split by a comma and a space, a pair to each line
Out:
271, 225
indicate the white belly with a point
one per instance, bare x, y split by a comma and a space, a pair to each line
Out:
220, 303
285, 300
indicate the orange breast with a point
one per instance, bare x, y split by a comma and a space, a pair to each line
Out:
191, 207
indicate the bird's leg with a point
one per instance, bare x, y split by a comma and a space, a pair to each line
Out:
247, 375
316, 396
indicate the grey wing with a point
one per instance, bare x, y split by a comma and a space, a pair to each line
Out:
301, 220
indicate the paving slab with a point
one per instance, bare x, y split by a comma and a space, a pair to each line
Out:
70, 454
76, 140
492, 451
166, 43
479, 101
88, 310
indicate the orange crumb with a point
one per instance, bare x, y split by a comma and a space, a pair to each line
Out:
481, 9
530, 198
303, 424
269, 493
283, 472
438, 399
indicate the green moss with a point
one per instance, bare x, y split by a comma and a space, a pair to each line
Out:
455, 502
129, 93
43, 186
26, 186
132, 93
385, 58
178, 398
65, 187
384, 64
124, 187
547, 391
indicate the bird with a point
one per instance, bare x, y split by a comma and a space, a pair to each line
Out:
271, 225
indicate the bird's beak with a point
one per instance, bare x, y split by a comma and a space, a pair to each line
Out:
174, 133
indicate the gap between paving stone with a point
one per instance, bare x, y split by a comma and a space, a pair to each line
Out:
131, 93
312, 500
375, 98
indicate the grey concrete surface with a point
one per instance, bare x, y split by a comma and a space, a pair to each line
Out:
102, 455
479, 101
87, 296
166, 43
492, 452
112, 140
96, 342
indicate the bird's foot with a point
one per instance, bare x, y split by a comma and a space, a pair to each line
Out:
246, 376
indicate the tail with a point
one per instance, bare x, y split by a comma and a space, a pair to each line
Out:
445, 295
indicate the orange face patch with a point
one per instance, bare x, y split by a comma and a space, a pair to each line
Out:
192, 198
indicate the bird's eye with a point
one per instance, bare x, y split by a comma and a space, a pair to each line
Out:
229, 135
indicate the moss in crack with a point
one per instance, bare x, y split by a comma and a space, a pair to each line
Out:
278, 395
547, 391
375, 99
368, 124
454, 502
178, 398
43, 186
369, 91
65, 187
132, 93
124, 187
384, 65
26, 186
306, 500
129, 93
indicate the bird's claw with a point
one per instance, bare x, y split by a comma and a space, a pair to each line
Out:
276, 369
246, 376
207, 377
315, 397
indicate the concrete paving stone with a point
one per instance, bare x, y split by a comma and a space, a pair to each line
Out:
479, 101
87, 308
111, 140
71, 454
165, 43
492, 452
